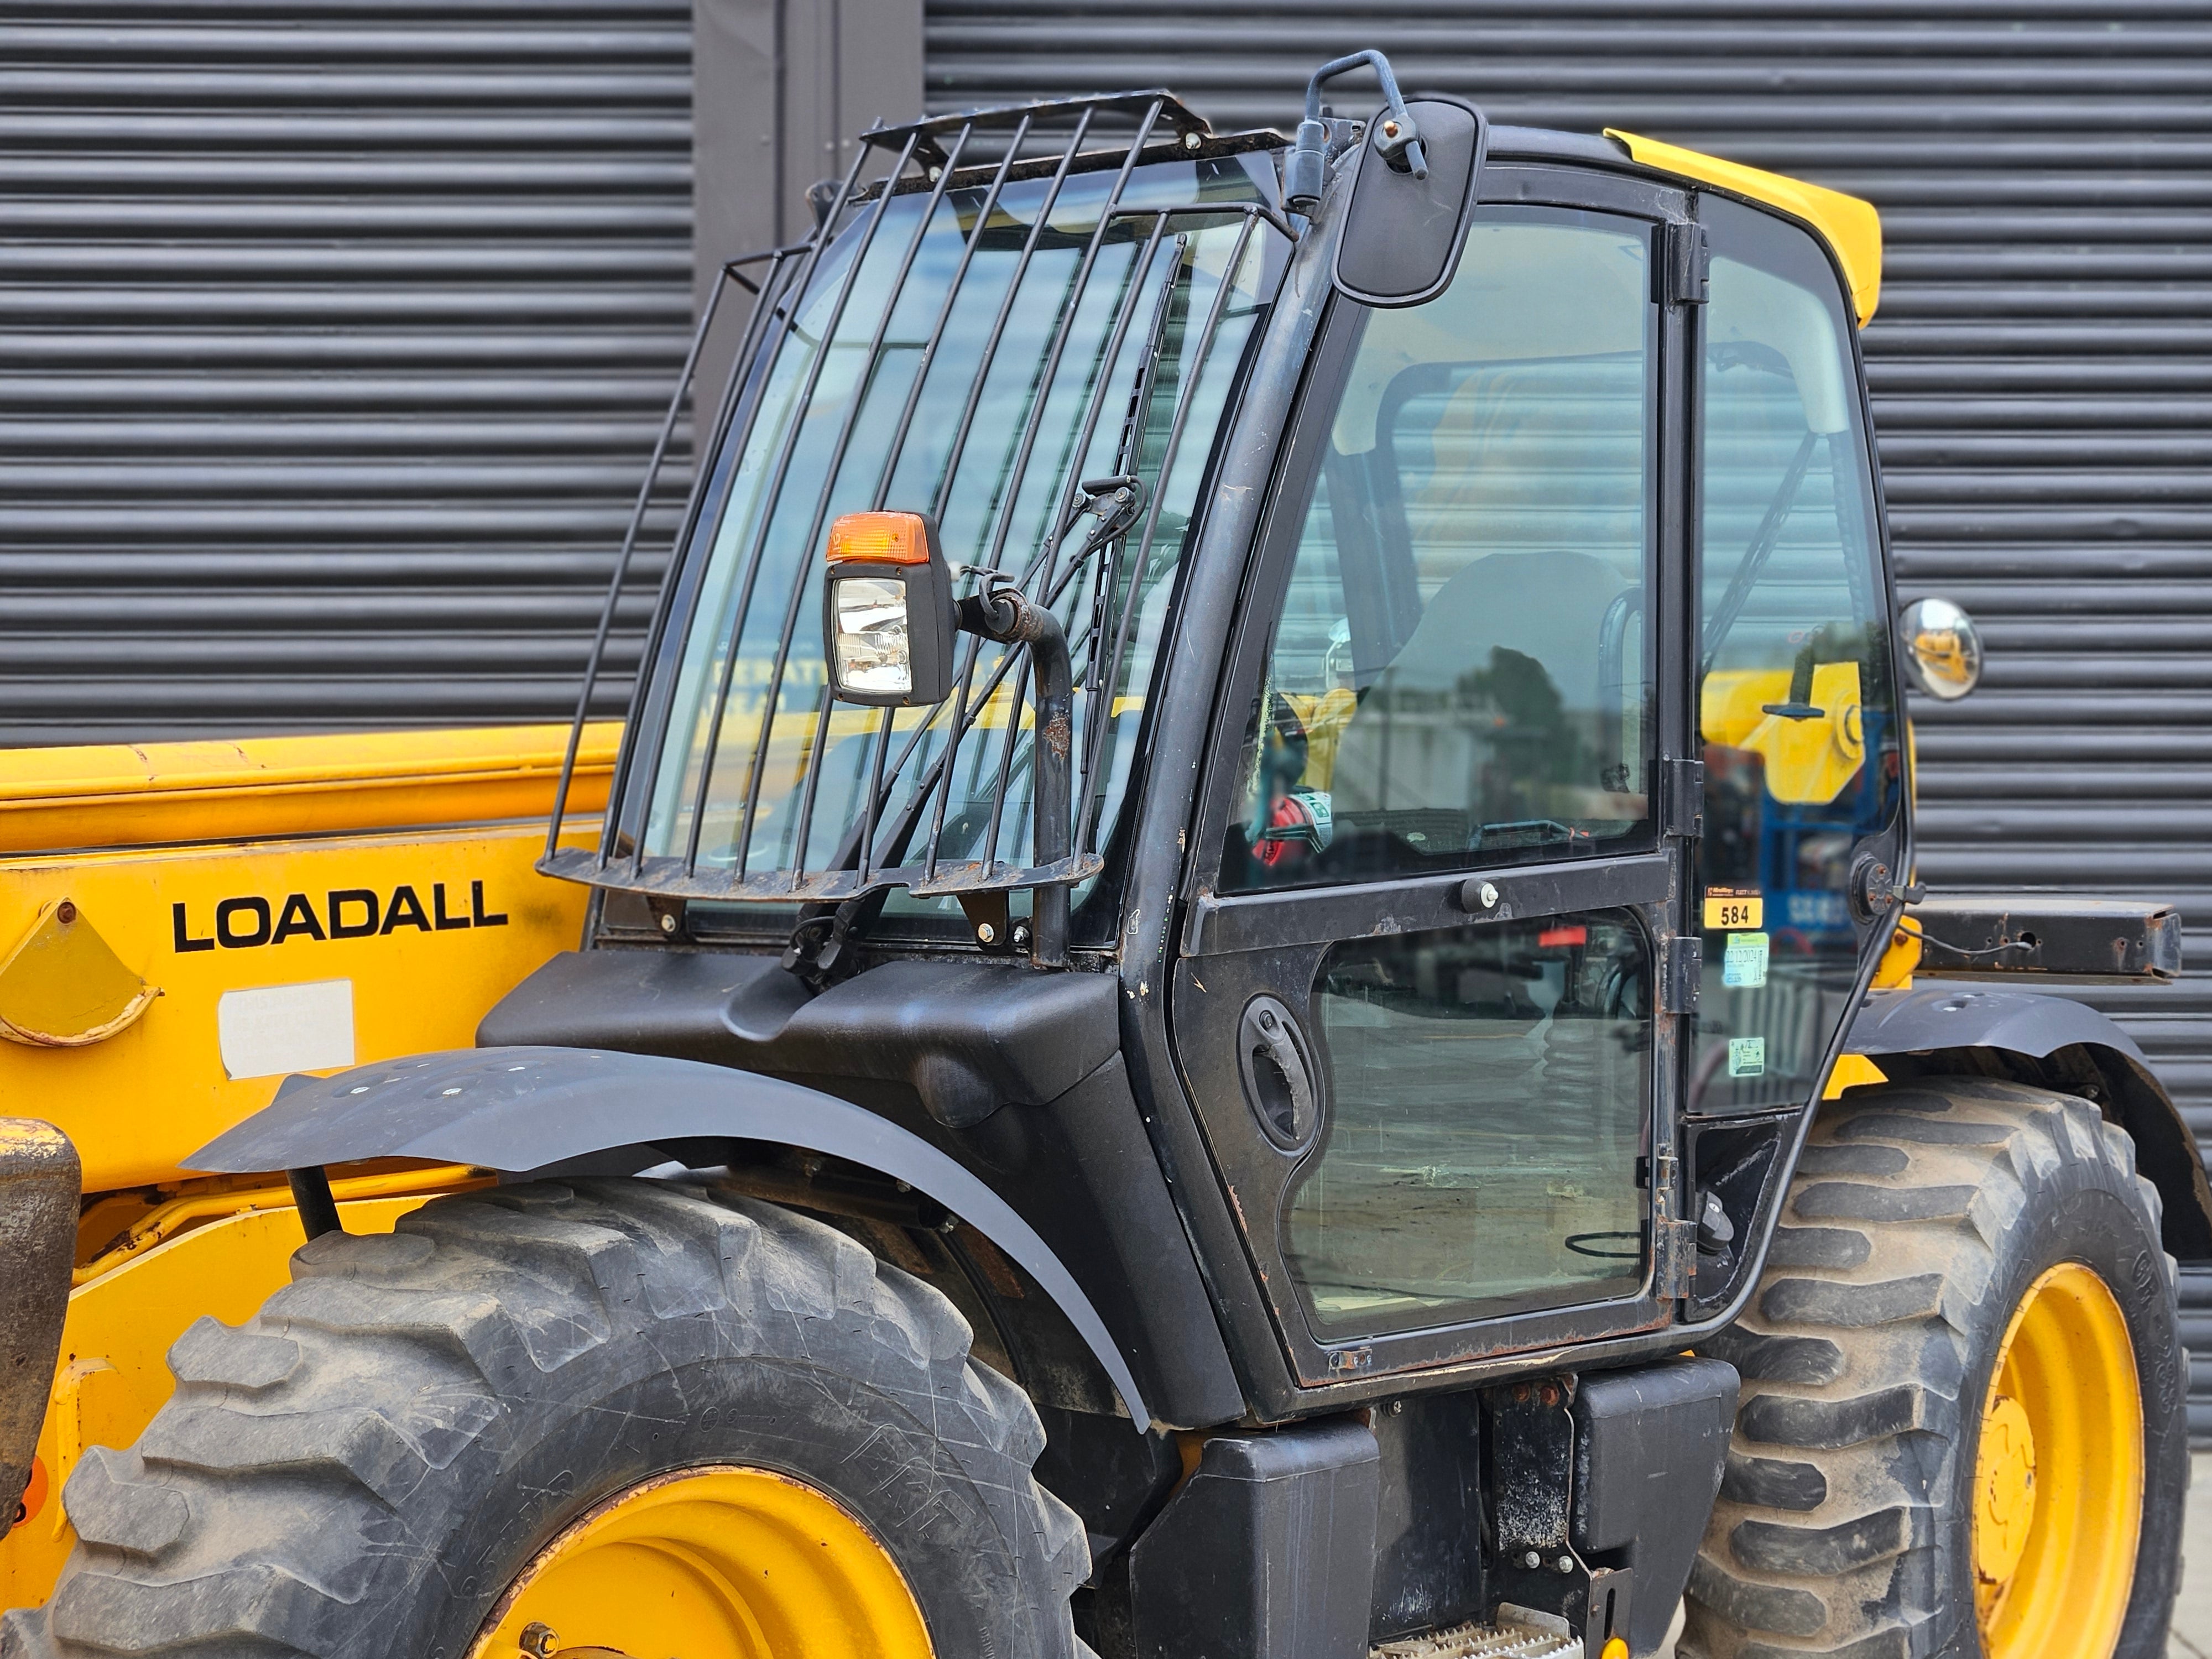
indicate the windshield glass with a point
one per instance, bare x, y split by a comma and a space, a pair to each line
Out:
1123, 370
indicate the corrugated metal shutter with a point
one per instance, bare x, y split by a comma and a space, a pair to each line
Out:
2042, 363
333, 337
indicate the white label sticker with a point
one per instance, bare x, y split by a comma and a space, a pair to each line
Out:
276, 1028
1743, 965
1747, 1056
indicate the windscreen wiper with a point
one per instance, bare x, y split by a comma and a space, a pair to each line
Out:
1763, 544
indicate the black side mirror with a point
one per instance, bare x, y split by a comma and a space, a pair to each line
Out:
1403, 233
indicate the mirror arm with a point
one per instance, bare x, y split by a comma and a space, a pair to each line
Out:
1003, 614
1306, 169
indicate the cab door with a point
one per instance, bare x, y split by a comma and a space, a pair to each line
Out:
1437, 944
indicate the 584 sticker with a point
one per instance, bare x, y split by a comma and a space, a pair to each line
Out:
1732, 907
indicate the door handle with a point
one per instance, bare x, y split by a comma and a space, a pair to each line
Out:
1278, 1078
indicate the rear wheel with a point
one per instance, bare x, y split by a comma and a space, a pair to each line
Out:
1963, 1430
615, 1417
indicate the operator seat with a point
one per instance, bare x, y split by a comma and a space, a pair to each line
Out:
1417, 744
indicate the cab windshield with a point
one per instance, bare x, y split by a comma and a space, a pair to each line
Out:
978, 353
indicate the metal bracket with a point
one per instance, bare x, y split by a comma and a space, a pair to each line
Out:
1674, 1257
1687, 266
989, 919
1682, 802
1681, 970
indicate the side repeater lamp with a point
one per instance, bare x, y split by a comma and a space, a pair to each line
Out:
888, 611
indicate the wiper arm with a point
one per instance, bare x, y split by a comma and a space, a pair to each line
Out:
1763, 542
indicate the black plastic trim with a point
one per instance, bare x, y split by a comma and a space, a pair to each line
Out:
524, 1108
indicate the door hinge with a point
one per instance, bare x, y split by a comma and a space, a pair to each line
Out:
1674, 1257
1681, 969
1687, 266
1682, 806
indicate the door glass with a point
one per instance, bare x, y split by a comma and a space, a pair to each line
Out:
1485, 1099
1800, 740
1460, 676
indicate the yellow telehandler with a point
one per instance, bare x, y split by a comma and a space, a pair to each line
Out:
1247, 985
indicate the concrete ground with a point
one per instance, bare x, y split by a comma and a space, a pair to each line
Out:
2192, 1608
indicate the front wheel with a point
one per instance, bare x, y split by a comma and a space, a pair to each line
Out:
1963, 1430
614, 1417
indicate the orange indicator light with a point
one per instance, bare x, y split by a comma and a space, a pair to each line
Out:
880, 538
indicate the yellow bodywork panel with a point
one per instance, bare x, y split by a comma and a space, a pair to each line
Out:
144, 794
63, 986
396, 944
1852, 1071
1850, 227
301, 904
114, 1374
1809, 761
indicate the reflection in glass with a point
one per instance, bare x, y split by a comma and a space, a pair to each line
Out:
1801, 737
1486, 1109
1459, 675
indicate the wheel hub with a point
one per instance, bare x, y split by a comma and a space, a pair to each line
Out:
2058, 1476
717, 1563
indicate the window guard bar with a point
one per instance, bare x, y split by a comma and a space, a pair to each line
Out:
933, 147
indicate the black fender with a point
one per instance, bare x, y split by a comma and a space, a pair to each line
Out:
516, 1110
2057, 1041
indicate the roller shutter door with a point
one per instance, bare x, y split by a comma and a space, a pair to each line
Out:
333, 336
2041, 363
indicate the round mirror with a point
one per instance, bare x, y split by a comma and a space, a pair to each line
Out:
1942, 648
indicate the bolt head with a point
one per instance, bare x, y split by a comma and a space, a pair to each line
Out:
65, 911
668, 922
1532, 1560
1021, 935
1389, 129
1488, 894
1191, 141
539, 1639
1564, 1563
1397, 1408
986, 934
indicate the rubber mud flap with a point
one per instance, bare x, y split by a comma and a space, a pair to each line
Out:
38, 1180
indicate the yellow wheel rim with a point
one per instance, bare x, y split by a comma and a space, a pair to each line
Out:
714, 1563
2058, 1479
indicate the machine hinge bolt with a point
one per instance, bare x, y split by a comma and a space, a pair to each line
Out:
1564, 1563
1191, 141
668, 922
539, 1639
986, 934
65, 911
1533, 1560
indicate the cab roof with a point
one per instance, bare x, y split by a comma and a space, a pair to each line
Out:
1851, 228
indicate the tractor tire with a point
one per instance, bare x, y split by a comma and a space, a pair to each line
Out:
425, 1426
1934, 1239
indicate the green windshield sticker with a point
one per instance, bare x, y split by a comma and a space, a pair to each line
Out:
1747, 1056
1743, 967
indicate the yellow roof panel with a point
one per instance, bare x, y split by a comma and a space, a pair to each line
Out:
1850, 227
